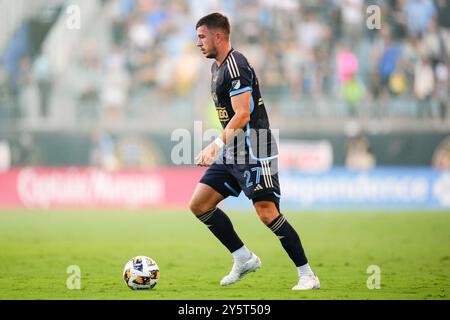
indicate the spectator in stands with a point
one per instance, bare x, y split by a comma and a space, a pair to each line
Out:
432, 44
442, 90
347, 64
6, 108
353, 94
419, 13
119, 12
359, 155
115, 86
443, 21
386, 53
42, 76
388, 61
88, 83
423, 86
352, 13
351, 88
27, 93
292, 45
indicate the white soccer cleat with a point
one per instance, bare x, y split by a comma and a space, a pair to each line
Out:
240, 269
307, 282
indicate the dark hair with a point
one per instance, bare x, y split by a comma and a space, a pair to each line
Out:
215, 21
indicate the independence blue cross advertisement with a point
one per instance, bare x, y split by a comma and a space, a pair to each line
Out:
339, 188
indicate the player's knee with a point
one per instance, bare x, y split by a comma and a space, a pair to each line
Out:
266, 211
265, 217
194, 206
197, 207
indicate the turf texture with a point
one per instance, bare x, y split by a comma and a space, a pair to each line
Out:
411, 250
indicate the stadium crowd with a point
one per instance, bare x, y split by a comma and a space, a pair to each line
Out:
301, 49
312, 57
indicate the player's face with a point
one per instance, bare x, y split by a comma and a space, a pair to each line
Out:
206, 42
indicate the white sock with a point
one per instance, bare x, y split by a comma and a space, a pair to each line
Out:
304, 270
242, 254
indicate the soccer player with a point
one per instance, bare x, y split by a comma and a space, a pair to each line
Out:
248, 161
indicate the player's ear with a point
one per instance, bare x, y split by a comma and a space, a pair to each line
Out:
219, 36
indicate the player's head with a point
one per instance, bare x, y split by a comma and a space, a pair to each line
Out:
213, 30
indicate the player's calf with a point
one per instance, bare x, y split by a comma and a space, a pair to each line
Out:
220, 225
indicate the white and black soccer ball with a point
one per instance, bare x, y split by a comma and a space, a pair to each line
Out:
141, 272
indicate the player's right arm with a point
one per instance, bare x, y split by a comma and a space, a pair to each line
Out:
240, 88
241, 108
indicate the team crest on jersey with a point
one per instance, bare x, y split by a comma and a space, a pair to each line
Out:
236, 84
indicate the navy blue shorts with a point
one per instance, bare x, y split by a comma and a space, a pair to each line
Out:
258, 180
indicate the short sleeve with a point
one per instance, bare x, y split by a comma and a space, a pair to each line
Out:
240, 74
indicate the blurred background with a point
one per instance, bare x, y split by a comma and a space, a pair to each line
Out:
363, 111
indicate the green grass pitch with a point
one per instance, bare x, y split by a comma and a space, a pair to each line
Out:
36, 247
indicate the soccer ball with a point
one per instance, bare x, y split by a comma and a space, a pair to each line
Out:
141, 272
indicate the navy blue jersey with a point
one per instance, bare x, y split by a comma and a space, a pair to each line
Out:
235, 76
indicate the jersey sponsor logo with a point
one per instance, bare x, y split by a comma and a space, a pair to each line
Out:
223, 114
236, 84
